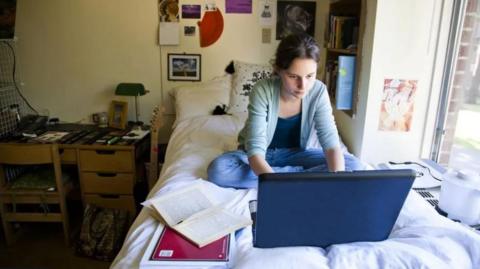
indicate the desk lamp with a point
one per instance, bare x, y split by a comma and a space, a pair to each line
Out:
132, 89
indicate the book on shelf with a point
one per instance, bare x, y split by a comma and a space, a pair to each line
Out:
167, 247
331, 71
193, 214
343, 32
345, 82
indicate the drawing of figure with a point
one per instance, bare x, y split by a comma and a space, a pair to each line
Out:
397, 105
266, 11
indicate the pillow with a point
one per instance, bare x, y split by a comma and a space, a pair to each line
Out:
201, 99
245, 76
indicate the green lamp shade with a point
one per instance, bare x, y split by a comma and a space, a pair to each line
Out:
130, 89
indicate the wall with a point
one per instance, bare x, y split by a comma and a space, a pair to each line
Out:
404, 46
72, 54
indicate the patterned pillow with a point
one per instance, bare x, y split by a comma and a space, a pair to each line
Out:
245, 76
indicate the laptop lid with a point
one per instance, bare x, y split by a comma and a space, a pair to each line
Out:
320, 209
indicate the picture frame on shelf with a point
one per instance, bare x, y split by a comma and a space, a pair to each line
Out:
184, 67
117, 117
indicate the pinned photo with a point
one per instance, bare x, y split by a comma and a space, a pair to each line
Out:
189, 30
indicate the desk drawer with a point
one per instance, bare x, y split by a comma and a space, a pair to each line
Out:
106, 160
112, 201
107, 183
68, 155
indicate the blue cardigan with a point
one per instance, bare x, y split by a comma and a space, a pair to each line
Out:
263, 107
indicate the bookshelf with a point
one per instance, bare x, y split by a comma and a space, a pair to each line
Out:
344, 31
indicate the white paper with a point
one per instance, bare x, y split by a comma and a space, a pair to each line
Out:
267, 11
169, 33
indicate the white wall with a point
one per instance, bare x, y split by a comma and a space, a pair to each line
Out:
401, 43
73, 53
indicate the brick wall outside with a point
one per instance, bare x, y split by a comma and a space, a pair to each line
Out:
462, 76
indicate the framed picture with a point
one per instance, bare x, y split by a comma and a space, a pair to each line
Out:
118, 114
185, 67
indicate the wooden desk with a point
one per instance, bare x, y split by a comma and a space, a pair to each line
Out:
107, 173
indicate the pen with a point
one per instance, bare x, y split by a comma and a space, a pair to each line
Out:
113, 140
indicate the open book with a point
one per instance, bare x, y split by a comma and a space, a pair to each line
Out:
193, 214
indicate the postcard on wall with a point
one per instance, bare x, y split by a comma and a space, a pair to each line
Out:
266, 8
189, 30
238, 6
191, 11
396, 111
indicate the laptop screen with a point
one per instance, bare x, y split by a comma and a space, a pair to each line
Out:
320, 209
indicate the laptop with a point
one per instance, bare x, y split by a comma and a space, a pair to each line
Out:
321, 209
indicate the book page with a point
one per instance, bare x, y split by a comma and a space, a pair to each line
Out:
178, 205
211, 224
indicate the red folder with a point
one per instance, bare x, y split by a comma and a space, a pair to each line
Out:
173, 249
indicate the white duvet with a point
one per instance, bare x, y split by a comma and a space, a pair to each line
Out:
420, 238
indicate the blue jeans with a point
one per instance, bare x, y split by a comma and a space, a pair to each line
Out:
232, 169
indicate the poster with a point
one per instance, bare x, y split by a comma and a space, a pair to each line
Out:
191, 11
295, 17
238, 6
396, 111
168, 10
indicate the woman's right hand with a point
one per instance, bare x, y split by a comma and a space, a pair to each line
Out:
259, 165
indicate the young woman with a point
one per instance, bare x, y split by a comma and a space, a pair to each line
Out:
282, 112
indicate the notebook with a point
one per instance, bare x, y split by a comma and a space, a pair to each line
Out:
321, 209
169, 248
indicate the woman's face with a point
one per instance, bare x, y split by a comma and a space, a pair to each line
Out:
299, 78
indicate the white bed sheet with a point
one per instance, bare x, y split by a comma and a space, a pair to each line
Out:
420, 238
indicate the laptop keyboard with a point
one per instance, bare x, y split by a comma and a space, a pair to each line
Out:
428, 196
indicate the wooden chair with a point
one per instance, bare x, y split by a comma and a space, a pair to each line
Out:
19, 155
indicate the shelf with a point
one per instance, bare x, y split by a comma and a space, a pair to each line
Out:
348, 7
342, 51
345, 30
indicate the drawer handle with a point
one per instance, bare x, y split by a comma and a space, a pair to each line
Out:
106, 174
105, 151
109, 196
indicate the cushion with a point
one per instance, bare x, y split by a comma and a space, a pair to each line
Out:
38, 178
245, 76
200, 99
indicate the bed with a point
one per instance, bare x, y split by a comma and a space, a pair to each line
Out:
421, 238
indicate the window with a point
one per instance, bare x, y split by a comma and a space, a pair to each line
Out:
457, 143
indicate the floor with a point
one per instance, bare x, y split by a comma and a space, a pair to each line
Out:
41, 245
